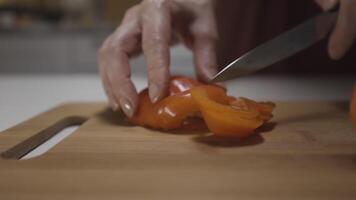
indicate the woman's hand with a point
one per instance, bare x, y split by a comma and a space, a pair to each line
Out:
344, 33
149, 27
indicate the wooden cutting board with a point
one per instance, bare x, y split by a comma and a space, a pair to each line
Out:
308, 151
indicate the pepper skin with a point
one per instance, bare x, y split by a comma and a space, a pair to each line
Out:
238, 119
224, 115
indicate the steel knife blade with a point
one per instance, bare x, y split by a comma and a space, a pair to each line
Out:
279, 48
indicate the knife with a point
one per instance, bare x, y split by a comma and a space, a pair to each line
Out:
283, 46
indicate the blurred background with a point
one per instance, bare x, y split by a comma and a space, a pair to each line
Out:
61, 36
48, 56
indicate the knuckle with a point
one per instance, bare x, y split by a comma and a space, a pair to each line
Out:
101, 53
205, 30
132, 12
150, 6
156, 2
159, 40
155, 45
104, 48
205, 34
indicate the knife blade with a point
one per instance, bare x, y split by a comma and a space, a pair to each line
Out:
283, 46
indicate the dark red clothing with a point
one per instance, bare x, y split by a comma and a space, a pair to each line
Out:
244, 24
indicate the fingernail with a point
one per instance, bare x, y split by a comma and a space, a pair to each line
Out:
154, 92
126, 107
114, 106
209, 74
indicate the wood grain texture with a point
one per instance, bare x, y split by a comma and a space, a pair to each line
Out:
308, 151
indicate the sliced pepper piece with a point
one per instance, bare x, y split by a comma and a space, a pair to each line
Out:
227, 120
264, 108
224, 115
180, 84
170, 112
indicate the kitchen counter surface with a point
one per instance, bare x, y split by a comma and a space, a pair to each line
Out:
23, 96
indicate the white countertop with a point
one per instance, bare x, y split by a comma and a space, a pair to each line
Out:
24, 96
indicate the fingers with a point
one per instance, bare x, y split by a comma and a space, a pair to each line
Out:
156, 37
344, 34
204, 47
113, 102
113, 59
204, 55
123, 89
327, 4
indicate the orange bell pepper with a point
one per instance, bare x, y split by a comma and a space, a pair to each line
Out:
353, 108
224, 115
236, 119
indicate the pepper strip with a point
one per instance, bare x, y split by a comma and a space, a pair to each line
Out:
224, 115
